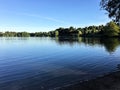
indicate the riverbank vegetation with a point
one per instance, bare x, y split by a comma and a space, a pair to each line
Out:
111, 29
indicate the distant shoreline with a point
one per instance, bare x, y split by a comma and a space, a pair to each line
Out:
111, 29
108, 82
67, 36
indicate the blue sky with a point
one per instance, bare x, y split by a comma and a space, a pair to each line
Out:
46, 15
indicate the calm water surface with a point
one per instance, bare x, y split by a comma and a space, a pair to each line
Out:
47, 63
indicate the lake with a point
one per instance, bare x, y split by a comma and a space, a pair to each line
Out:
47, 63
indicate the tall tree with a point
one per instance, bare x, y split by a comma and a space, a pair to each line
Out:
113, 8
111, 29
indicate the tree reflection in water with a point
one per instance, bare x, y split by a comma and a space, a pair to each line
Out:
110, 44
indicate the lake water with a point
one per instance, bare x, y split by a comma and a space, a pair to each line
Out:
47, 63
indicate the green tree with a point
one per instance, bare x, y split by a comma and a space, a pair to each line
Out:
111, 29
1, 34
56, 33
71, 28
113, 8
25, 34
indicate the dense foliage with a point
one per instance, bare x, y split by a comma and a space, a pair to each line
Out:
113, 9
110, 30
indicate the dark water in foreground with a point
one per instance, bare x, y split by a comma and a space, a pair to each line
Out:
47, 63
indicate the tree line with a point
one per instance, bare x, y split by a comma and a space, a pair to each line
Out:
111, 29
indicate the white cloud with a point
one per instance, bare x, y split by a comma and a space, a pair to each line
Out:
44, 17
